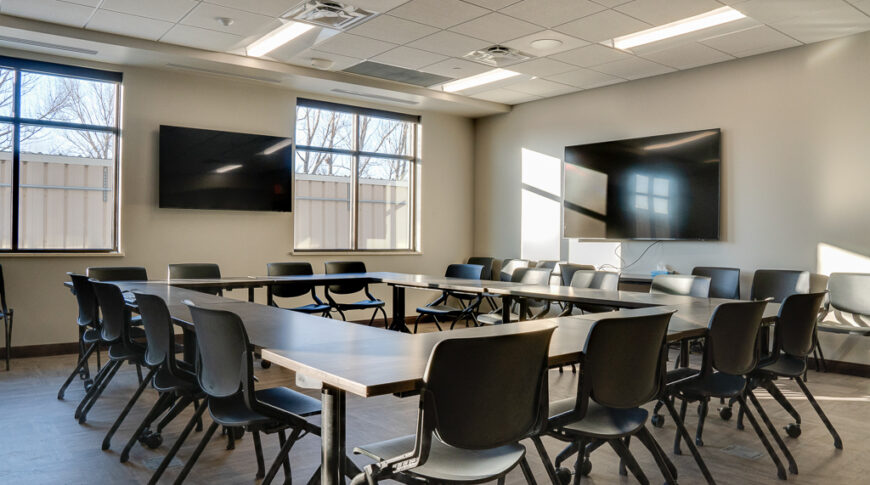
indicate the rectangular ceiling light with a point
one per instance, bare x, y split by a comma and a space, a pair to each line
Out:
227, 168
277, 38
478, 80
698, 22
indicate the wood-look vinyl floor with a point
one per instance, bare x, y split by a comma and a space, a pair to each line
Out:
40, 442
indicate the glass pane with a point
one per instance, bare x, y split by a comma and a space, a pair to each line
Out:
324, 128
386, 136
5, 186
384, 203
7, 83
58, 98
67, 193
322, 209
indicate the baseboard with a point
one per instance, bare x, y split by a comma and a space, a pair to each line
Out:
840, 367
46, 350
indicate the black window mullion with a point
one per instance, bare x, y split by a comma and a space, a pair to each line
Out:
16, 155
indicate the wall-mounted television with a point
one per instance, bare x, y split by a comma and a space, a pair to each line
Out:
663, 187
207, 169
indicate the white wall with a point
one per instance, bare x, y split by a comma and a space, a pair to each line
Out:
241, 242
796, 160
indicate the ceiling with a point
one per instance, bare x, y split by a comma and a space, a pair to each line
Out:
432, 36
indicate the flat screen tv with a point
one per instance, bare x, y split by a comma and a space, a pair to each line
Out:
207, 169
652, 188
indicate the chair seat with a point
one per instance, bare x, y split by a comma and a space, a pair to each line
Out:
785, 366
842, 328
601, 421
680, 373
447, 463
282, 398
361, 304
232, 411
164, 381
126, 351
494, 318
439, 310
716, 384
311, 308
91, 335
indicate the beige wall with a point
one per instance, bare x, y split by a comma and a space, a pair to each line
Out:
796, 161
241, 242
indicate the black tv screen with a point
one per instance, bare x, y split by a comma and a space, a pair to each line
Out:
207, 169
656, 187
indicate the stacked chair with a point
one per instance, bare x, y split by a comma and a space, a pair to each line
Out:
350, 287
204, 271
526, 276
440, 311
89, 332
296, 289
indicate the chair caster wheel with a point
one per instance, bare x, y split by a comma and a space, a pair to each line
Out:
265, 364
89, 383
725, 413
237, 433
657, 420
564, 476
83, 374
793, 430
153, 440
586, 469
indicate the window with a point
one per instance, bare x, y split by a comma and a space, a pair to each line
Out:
58, 157
354, 178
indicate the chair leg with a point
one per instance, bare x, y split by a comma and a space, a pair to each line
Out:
417, 322
89, 401
107, 441
7, 324
780, 470
155, 411
283, 457
838, 443
178, 442
98, 379
681, 430
578, 464
626, 456
683, 405
83, 362
623, 471
566, 453
669, 471
545, 459
177, 407
527, 472
821, 355
792, 465
774, 391
258, 451
702, 416
195, 456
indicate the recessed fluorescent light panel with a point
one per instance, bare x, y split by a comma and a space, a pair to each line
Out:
277, 38
698, 22
227, 168
478, 80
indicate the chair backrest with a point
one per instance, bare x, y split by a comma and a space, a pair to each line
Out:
114, 311
795, 328
568, 270
224, 367
509, 266
605, 280
338, 267
624, 361
296, 268
467, 271
485, 392
205, 271
86, 300
158, 330
724, 282
582, 278
3, 293
534, 276
681, 284
486, 262
850, 292
778, 284
732, 344
117, 273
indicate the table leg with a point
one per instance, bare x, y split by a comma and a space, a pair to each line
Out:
332, 436
398, 321
524, 308
684, 353
251, 293
506, 308
270, 299
189, 339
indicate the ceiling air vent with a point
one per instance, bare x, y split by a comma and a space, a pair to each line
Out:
497, 56
332, 15
398, 74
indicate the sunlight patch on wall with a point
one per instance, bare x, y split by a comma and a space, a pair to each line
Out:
541, 206
833, 259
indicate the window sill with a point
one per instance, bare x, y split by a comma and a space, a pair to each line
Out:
316, 252
62, 255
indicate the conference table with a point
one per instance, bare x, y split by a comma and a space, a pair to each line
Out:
369, 361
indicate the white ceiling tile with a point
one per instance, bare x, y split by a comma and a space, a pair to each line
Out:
687, 56
379, 6
48, 11
591, 55
505, 96
439, 13
752, 41
340, 63
354, 46
449, 44
602, 26
862, 5
524, 44
272, 8
456, 68
633, 68
243, 24
660, 12
836, 21
549, 13
542, 67
393, 29
493, 4
586, 78
129, 25
768, 11
87, 3
190, 36
541, 87
495, 27
169, 10
612, 3
408, 57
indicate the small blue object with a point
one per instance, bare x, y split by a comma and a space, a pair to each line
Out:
657, 272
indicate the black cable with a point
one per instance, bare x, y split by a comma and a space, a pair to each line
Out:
624, 266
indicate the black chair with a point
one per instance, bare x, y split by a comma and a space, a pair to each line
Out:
349, 287
89, 331
724, 282
480, 397
731, 352
526, 276
793, 340
848, 309
555, 268
680, 284
778, 284
567, 271
623, 364
486, 262
596, 280
6, 314
117, 273
225, 372
116, 334
440, 311
199, 271
296, 289
508, 266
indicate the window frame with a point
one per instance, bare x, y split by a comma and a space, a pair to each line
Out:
19, 65
355, 155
